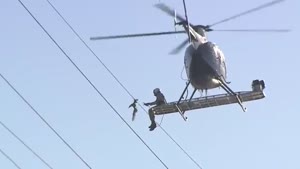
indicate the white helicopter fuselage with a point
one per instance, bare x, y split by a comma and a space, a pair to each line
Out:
205, 65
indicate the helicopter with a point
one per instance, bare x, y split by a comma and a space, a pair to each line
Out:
204, 61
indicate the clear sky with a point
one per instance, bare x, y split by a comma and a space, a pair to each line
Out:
266, 136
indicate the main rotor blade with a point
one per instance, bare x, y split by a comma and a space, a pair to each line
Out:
253, 30
135, 35
179, 47
248, 11
163, 7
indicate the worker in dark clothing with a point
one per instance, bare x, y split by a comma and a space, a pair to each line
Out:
160, 99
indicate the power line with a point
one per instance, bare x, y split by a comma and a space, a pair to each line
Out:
182, 149
9, 158
118, 81
104, 98
178, 145
30, 149
43, 119
87, 46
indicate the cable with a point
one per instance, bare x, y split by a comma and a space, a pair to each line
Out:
182, 73
104, 98
118, 81
182, 149
186, 153
161, 120
43, 119
30, 149
10, 159
90, 49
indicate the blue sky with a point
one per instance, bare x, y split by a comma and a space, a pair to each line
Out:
266, 136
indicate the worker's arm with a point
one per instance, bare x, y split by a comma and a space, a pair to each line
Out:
160, 99
150, 103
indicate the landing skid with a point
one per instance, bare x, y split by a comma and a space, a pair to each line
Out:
223, 85
231, 92
212, 101
181, 112
181, 97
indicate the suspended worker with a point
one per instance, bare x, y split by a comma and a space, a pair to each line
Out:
160, 99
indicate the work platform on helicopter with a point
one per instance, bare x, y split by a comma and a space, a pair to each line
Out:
212, 101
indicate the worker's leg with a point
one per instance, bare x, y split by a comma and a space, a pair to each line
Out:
152, 119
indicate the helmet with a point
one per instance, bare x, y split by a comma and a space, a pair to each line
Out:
156, 90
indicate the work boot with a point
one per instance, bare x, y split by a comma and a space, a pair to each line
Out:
152, 126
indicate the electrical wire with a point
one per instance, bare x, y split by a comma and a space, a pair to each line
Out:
9, 158
161, 120
44, 120
87, 46
118, 81
94, 87
21, 141
178, 145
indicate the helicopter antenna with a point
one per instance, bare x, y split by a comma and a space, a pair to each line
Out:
175, 19
187, 21
175, 22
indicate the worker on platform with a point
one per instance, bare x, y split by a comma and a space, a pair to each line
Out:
160, 99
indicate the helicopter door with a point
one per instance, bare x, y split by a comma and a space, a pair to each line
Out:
188, 59
221, 61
